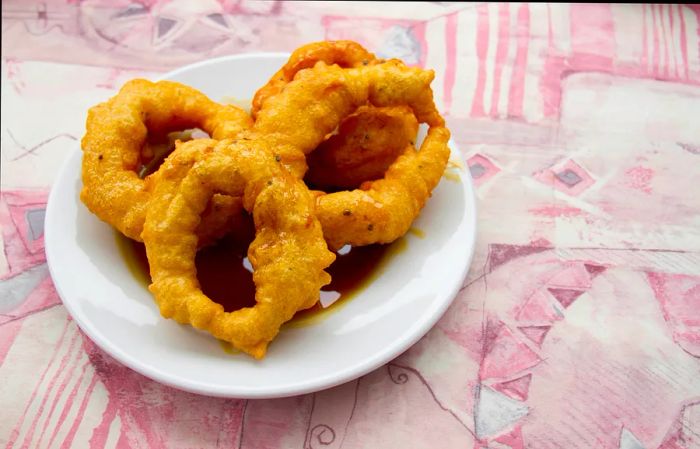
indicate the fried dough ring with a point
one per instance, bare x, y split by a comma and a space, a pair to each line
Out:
288, 254
112, 149
383, 210
342, 53
315, 103
380, 211
366, 144
344, 160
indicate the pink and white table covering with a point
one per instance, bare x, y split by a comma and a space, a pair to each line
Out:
579, 323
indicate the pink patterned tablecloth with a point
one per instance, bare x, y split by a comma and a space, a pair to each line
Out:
579, 323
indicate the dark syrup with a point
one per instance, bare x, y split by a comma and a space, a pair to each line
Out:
225, 274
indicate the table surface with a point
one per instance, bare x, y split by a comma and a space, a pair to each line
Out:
579, 323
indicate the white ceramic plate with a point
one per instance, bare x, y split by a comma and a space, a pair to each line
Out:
118, 313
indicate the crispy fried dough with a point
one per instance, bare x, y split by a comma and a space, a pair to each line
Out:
288, 253
112, 148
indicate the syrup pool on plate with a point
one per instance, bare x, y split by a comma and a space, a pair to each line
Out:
226, 275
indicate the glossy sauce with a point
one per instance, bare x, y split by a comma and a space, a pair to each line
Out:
353, 270
225, 274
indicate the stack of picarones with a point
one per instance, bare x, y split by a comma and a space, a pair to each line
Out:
334, 117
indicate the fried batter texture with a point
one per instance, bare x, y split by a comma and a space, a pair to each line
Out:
112, 149
297, 120
372, 138
289, 254
383, 210
366, 144
341, 53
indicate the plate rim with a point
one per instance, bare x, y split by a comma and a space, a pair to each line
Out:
375, 360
